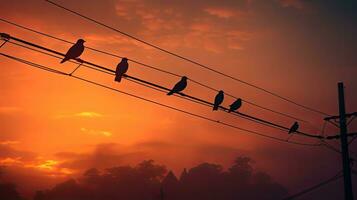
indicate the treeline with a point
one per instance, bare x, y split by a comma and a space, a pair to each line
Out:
150, 181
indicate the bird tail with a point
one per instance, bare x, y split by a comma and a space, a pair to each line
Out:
230, 110
170, 93
118, 78
215, 107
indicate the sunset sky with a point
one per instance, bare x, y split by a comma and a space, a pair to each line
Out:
53, 127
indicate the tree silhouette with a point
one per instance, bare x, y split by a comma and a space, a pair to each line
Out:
148, 180
8, 191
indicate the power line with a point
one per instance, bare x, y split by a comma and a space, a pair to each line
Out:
48, 69
148, 86
190, 60
4, 42
139, 83
334, 178
331, 147
352, 140
262, 121
160, 70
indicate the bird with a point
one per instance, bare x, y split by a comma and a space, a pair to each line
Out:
235, 105
75, 51
218, 100
121, 69
181, 85
294, 128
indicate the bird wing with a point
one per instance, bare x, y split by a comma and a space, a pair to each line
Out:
294, 128
75, 51
234, 104
219, 99
123, 68
238, 103
178, 87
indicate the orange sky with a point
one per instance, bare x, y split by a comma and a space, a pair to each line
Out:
53, 127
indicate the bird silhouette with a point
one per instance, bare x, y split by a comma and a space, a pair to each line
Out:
218, 100
181, 85
121, 69
294, 128
235, 105
75, 51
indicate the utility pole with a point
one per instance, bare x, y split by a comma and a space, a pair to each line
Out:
343, 136
344, 144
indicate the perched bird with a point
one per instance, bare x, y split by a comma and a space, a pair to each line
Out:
218, 100
181, 85
294, 128
122, 68
235, 105
75, 51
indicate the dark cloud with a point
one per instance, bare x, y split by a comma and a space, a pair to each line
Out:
7, 151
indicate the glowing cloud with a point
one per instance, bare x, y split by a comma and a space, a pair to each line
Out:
89, 114
10, 161
84, 114
48, 164
97, 132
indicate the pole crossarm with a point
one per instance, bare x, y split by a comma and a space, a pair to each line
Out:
243, 115
348, 115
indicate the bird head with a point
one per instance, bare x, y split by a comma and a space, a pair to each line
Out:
221, 92
184, 78
124, 59
80, 41
239, 100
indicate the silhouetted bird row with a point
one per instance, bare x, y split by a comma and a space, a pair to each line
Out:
218, 100
77, 49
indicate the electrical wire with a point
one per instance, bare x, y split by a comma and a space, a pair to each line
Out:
139, 83
48, 69
190, 60
251, 118
352, 140
334, 178
331, 147
3, 43
160, 70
